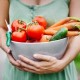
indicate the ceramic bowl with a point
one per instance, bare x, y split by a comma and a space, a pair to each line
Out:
54, 48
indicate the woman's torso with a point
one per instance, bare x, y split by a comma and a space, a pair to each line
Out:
53, 11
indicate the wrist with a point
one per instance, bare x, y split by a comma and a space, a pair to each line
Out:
66, 60
60, 65
63, 63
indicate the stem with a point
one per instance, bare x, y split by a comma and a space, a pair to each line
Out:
20, 21
75, 18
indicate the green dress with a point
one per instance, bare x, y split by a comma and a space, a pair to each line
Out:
53, 12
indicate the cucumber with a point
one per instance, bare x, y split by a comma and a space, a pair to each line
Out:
62, 33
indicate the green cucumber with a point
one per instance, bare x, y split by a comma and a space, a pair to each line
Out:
62, 33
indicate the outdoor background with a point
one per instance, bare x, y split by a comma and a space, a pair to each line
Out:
77, 62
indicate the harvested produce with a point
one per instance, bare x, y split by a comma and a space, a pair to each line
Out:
19, 36
69, 33
16, 24
60, 34
35, 31
61, 22
41, 20
69, 26
64, 21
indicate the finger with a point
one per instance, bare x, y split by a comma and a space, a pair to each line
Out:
37, 72
12, 60
44, 57
28, 61
27, 70
44, 64
32, 71
19, 68
27, 65
38, 65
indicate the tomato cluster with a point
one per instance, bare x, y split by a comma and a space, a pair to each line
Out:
21, 32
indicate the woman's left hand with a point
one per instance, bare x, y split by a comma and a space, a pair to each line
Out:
47, 64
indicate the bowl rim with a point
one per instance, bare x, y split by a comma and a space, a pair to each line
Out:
38, 42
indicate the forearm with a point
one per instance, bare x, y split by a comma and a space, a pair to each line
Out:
73, 50
2, 37
4, 12
74, 46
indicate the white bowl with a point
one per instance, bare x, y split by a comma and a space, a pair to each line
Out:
53, 48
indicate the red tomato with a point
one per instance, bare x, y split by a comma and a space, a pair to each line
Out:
16, 24
19, 36
35, 31
41, 20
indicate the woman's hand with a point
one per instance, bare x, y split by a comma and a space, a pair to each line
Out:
7, 49
47, 64
12, 60
10, 57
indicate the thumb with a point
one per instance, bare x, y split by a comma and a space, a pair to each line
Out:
44, 57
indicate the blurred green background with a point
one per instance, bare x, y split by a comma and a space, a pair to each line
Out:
77, 62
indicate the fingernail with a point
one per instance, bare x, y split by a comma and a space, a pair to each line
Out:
8, 51
18, 61
20, 56
35, 55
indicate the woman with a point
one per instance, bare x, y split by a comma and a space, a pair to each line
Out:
49, 68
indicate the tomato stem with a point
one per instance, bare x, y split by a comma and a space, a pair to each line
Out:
33, 23
20, 29
20, 21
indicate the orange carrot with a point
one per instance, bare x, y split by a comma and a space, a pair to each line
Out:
61, 22
49, 32
73, 33
72, 21
64, 21
69, 34
69, 26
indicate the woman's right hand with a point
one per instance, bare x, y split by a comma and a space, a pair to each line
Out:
7, 49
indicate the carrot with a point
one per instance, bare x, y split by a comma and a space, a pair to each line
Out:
64, 21
49, 32
72, 21
45, 38
61, 22
69, 34
73, 33
69, 26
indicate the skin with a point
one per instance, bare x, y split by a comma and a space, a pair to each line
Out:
36, 2
48, 64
